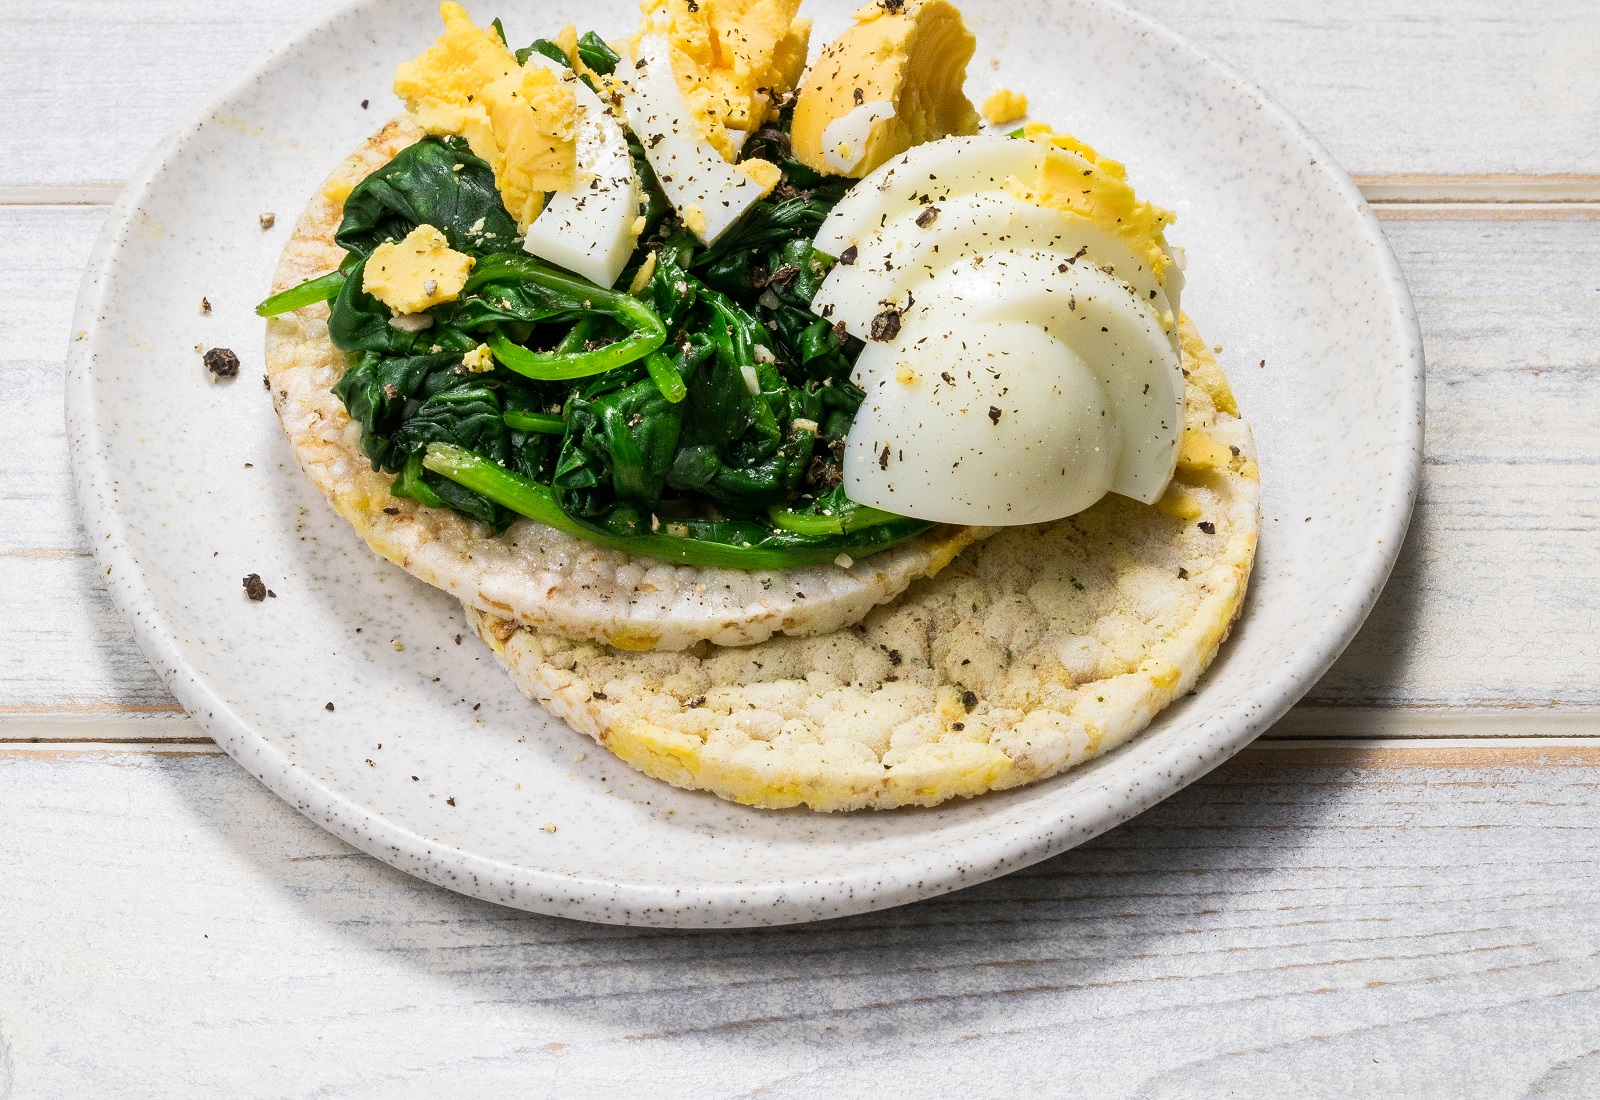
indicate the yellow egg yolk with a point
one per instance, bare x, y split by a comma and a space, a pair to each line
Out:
1076, 178
522, 120
909, 57
1005, 106
417, 273
732, 60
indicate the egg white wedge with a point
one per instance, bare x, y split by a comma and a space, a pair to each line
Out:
708, 192
937, 170
844, 140
971, 418
912, 247
590, 230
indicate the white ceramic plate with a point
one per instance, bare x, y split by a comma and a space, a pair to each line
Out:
430, 760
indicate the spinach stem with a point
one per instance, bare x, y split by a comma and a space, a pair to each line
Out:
536, 502
568, 362
544, 423
666, 377
813, 525
324, 288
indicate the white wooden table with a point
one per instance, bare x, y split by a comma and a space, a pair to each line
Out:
1395, 894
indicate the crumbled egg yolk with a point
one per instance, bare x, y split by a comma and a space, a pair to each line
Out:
763, 173
903, 65
731, 59
1084, 182
523, 121
417, 273
1005, 106
480, 360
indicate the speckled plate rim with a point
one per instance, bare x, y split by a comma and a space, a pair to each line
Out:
988, 854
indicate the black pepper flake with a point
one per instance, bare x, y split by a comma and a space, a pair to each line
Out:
1234, 450
222, 363
365, 103
892, 7
205, 305
597, 695
391, 511
266, 383
692, 5
886, 325
451, 801
458, 639
958, 726
894, 657
994, 414
1183, 574
848, 256
254, 588
327, 706
969, 699
697, 701
1207, 526
860, 97
928, 216
840, 333
883, 458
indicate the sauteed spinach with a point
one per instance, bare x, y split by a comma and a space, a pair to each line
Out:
700, 420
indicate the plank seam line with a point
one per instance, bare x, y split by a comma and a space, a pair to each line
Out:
1353, 746
1378, 190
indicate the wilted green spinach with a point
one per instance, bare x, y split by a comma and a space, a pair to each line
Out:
700, 421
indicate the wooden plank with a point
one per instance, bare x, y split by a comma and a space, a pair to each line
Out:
1496, 593
1504, 532
1402, 87
1486, 89
1372, 921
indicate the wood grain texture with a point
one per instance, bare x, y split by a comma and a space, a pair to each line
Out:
1496, 594
1487, 88
1384, 922
1493, 603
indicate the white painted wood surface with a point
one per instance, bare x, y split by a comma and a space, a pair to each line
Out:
1351, 918
1418, 87
1328, 922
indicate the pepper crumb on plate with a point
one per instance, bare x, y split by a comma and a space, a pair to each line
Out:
254, 588
221, 362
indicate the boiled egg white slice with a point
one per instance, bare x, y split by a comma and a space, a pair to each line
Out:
590, 230
937, 170
1016, 392
911, 248
708, 192
1005, 425
844, 140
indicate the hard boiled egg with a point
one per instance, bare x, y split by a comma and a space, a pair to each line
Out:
591, 228
969, 420
1022, 357
708, 192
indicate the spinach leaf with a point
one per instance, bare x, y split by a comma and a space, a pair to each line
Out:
545, 47
623, 441
593, 52
436, 182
